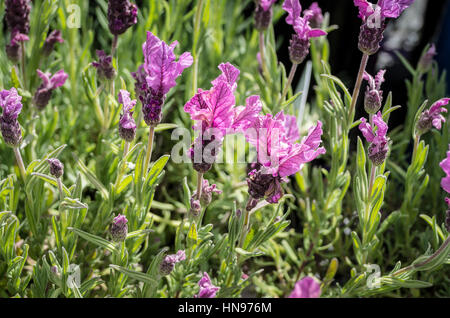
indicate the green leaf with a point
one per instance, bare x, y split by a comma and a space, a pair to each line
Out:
101, 242
142, 277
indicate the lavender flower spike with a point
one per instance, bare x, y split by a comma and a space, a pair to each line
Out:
307, 287
51, 40
17, 14
379, 146
127, 125
56, 167
432, 117
162, 69
121, 15
207, 289
168, 263
49, 84
373, 17
445, 184
263, 14
119, 228
105, 69
11, 104
374, 94
13, 50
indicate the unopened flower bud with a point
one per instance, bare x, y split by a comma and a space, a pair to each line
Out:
298, 49
262, 18
426, 60
196, 207
105, 69
119, 228
372, 101
13, 49
54, 269
56, 167
168, 263
370, 38
52, 39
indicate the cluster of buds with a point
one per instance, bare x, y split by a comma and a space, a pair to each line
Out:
432, 117
56, 167
121, 15
374, 95
205, 197
168, 264
105, 69
119, 228
11, 104
49, 84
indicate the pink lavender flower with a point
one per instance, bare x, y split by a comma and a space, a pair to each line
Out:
13, 49
49, 84
373, 17
11, 104
105, 69
216, 115
307, 287
122, 14
127, 125
207, 289
378, 138
445, 184
161, 70
426, 60
17, 14
168, 263
374, 94
279, 156
314, 14
432, 117
51, 40
56, 167
119, 228
299, 44
263, 14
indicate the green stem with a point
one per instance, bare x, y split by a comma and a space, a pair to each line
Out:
151, 135
263, 58
199, 185
288, 84
20, 162
22, 47
123, 164
362, 68
416, 145
60, 188
194, 45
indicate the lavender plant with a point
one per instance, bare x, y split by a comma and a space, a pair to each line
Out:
267, 192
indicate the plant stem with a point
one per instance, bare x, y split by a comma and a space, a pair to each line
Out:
151, 135
305, 262
114, 45
199, 185
122, 165
372, 179
263, 58
61, 193
288, 84
20, 162
24, 79
362, 68
416, 145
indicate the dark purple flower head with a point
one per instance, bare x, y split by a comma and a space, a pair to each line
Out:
196, 206
127, 125
378, 138
207, 289
17, 15
374, 94
263, 14
49, 84
373, 17
56, 167
119, 228
51, 40
307, 287
105, 69
11, 104
426, 61
13, 50
140, 87
299, 44
122, 14
168, 263
432, 117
